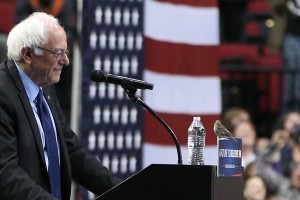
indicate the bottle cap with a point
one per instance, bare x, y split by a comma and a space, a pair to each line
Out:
197, 118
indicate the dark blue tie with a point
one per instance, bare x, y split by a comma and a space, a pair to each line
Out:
51, 147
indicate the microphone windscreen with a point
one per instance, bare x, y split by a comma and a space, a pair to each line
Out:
97, 75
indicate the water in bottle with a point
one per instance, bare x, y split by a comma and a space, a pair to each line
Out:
196, 142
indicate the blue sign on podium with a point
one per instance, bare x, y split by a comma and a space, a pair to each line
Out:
229, 156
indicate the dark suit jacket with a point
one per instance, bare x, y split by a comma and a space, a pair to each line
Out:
23, 173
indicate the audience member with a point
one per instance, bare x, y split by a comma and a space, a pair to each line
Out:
282, 155
288, 120
255, 188
247, 132
249, 170
283, 188
261, 144
234, 116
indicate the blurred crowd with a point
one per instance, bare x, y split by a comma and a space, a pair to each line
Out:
271, 164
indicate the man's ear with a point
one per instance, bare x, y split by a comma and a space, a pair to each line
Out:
27, 53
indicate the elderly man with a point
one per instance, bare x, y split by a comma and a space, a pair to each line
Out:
39, 153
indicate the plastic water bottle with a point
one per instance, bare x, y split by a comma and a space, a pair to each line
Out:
196, 142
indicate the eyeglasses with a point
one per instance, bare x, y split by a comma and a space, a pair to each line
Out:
57, 55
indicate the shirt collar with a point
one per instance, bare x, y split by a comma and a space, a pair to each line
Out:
31, 88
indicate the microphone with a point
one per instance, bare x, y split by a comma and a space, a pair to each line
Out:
100, 76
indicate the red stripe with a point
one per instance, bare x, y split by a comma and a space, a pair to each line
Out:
181, 59
197, 3
155, 132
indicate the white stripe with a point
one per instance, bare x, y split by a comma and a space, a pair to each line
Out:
161, 154
181, 24
183, 94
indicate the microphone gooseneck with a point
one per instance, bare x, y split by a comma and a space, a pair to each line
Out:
130, 91
130, 86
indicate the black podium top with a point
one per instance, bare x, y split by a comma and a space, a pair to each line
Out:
182, 182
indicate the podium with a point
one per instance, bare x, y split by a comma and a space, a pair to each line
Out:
177, 182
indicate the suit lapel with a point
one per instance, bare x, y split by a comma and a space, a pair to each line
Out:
27, 106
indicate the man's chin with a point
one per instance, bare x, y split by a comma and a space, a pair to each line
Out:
54, 80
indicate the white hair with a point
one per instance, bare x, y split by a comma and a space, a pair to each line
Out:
31, 32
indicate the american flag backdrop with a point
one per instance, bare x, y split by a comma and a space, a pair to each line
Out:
181, 58
170, 43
